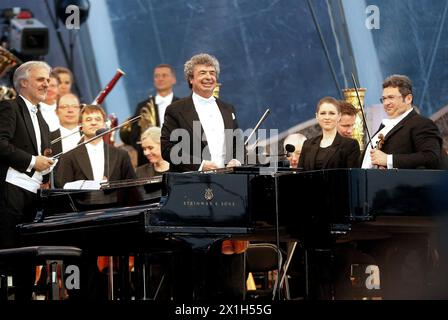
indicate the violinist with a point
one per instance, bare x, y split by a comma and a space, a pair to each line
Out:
411, 141
330, 149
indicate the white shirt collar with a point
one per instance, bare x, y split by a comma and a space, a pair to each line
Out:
201, 100
167, 99
393, 122
31, 107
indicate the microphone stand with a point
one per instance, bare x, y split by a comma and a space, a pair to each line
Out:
100, 135
263, 117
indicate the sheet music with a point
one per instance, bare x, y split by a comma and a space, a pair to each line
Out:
84, 185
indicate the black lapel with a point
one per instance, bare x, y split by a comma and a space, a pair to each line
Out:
28, 122
110, 159
190, 116
156, 111
399, 125
44, 133
226, 115
311, 156
83, 160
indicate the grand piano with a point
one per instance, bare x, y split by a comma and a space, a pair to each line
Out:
317, 208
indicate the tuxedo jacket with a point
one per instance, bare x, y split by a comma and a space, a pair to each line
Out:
343, 153
17, 138
415, 143
75, 165
181, 115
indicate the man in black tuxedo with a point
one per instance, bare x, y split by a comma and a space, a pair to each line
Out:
23, 168
96, 160
198, 134
152, 109
204, 121
411, 141
23, 139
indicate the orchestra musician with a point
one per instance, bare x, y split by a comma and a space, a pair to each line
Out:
411, 141
213, 117
297, 140
68, 135
48, 107
330, 149
23, 168
65, 77
348, 118
153, 108
96, 160
150, 140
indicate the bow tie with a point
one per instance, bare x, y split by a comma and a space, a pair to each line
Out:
34, 109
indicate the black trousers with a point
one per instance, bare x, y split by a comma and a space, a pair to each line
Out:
17, 205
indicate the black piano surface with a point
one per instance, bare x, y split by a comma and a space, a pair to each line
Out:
248, 201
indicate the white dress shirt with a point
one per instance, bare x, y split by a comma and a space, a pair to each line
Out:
96, 156
20, 179
213, 125
71, 139
388, 125
50, 116
163, 103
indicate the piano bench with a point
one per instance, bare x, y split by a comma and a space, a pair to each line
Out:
20, 261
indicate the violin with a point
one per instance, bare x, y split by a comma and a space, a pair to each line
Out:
379, 146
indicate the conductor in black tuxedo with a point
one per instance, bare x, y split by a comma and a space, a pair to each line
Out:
23, 139
330, 149
151, 109
207, 141
23, 167
411, 141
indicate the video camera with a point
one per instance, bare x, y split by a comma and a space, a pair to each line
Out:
26, 35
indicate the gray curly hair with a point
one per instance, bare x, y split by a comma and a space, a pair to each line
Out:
201, 58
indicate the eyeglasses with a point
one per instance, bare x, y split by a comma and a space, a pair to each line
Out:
66, 106
384, 99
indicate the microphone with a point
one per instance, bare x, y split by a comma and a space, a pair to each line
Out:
281, 163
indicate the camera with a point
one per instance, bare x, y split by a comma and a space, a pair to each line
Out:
24, 34
29, 37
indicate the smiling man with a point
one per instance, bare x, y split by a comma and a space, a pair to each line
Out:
204, 126
410, 140
204, 119
95, 160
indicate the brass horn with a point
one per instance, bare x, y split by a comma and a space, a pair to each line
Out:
7, 61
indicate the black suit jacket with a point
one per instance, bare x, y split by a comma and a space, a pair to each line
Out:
17, 138
415, 142
75, 165
181, 115
343, 153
